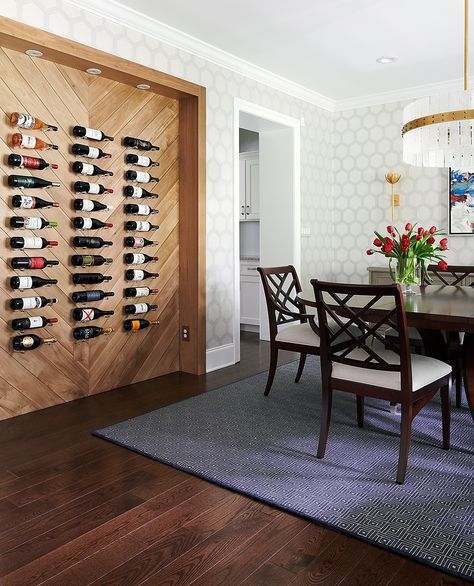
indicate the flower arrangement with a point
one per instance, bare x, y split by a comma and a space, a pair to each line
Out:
412, 250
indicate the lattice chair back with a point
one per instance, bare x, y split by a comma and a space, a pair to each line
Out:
362, 314
454, 275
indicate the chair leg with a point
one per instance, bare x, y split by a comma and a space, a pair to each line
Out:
360, 410
272, 369
446, 416
300, 367
458, 387
405, 439
326, 404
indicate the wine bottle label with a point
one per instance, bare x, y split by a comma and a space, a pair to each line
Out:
142, 177
87, 169
94, 188
37, 263
87, 223
27, 342
143, 210
93, 153
143, 161
33, 223
36, 322
137, 192
87, 315
138, 259
142, 291
138, 275
94, 134
143, 226
141, 307
29, 142
26, 121
87, 205
135, 324
27, 202
32, 242
138, 242
25, 282
31, 302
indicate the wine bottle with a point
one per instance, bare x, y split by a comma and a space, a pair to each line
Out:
31, 122
88, 169
87, 332
139, 308
141, 210
138, 143
31, 242
90, 205
26, 141
137, 192
140, 226
89, 314
90, 224
83, 150
84, 132
141, 161
25, 182
138, 324
138, 259
35, 262
24, 162
89, 260
30, 302
140, 176
96, 188
139, 291
89, 278
28, 202
139, 275
30, 282
90, 242
31, 223
29, 323
136, 242
30, 342
87, 296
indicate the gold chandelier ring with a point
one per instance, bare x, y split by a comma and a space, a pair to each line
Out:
437, 119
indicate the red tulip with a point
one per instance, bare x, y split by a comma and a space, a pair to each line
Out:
443, 243
390, 230
408, 227
377, 242
426, 233
405, 242
431, 240
433, 229
420, 230
443, 265
419, 236
370, 251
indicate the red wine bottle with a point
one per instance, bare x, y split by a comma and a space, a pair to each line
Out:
136, 242
139, 291
24, 162
27, 141
31, 122
83, 150
88, 332
31, 223
140, 226
25, 182
138, 324
142, 210
27, 202
31, 242
89, 278
30, 342
89, 313
87, 296
30, 282
95, 188
137, 192
29, 323
139, 275
90, 205
92, 133
90, 242
89, 260
90, 224
138, 143
140, 176
136, 308
35, 262
88, 169
23, 303
138, 259
141, 161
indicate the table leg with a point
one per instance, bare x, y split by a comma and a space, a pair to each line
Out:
468, 365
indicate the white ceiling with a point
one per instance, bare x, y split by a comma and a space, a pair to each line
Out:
329, 46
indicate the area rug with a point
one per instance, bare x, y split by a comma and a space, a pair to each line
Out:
265, 447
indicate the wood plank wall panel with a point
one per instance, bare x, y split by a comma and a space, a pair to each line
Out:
69, 370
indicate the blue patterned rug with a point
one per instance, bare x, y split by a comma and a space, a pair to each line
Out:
264, 447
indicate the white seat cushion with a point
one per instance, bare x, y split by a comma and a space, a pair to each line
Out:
425, 370
298, 334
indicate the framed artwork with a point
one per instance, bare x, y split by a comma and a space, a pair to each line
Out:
461, 202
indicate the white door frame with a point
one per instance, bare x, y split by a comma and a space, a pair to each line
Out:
295, 124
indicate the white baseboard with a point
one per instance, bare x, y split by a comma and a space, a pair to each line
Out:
220, 357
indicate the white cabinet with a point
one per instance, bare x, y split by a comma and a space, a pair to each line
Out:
249, 186
249, 294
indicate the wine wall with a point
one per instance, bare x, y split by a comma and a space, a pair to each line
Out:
67, 369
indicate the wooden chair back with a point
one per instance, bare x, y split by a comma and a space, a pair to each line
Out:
454, 275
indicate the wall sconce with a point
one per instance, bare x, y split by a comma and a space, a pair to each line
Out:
393, 178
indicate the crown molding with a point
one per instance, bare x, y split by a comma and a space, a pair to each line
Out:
128, 17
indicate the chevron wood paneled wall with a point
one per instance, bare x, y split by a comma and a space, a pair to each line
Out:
69, 370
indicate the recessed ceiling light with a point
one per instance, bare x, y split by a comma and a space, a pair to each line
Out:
33, 53
143, 86
385, 59
94, 71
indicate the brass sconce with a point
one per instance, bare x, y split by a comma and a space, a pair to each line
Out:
393, 178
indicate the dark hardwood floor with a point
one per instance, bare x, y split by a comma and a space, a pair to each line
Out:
76, 510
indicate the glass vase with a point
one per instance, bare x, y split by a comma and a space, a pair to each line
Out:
407, 272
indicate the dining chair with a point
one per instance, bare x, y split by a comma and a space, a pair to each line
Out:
370, 366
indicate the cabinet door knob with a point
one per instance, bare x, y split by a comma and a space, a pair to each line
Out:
242, 213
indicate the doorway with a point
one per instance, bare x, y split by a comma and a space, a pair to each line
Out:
277, 209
